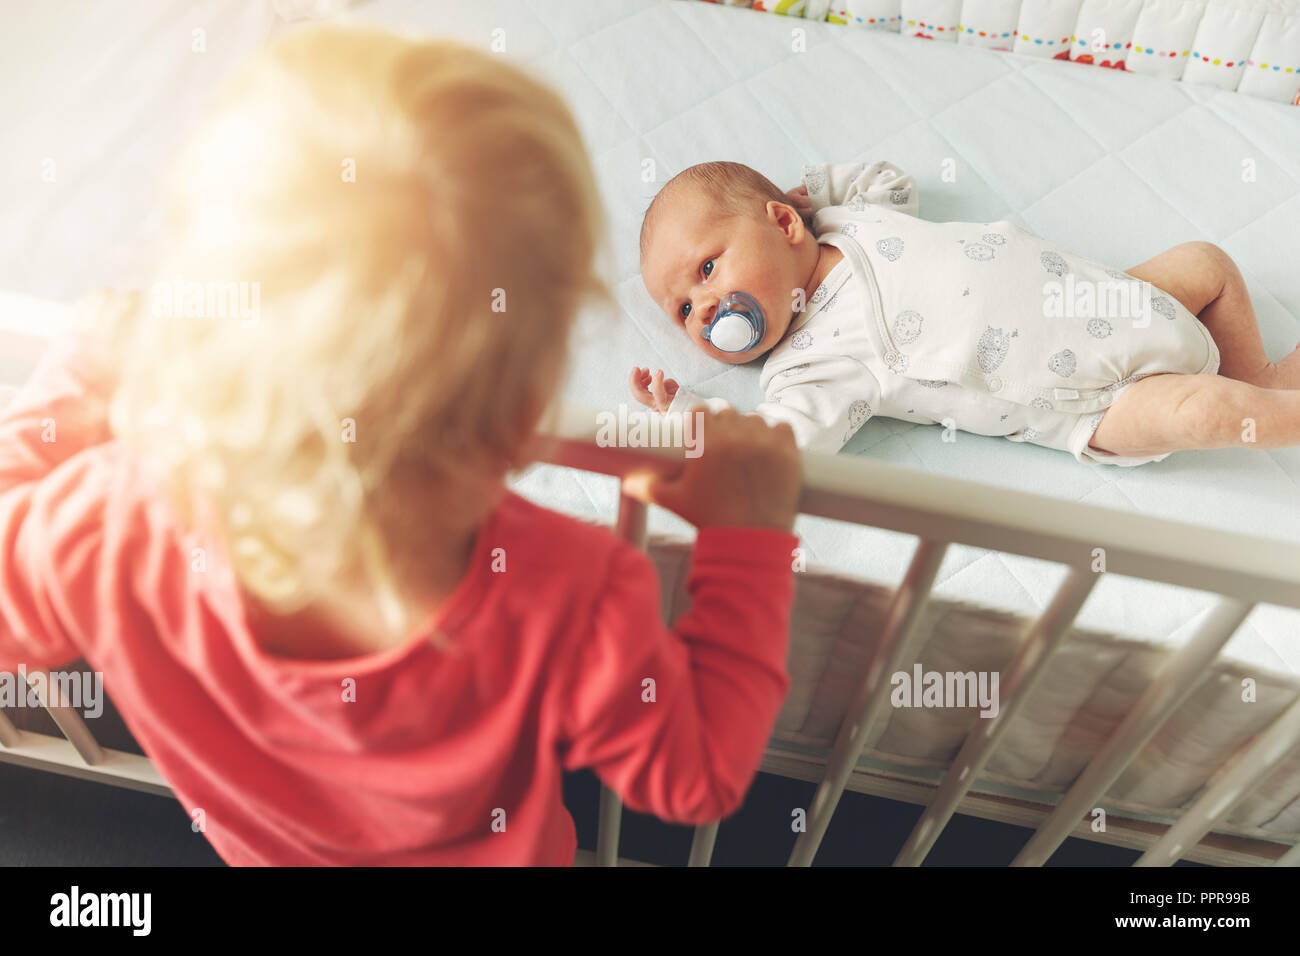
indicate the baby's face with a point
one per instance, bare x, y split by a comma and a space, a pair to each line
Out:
696, 256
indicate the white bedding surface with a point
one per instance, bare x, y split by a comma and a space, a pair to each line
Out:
1116, 167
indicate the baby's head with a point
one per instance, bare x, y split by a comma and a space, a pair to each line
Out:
719, 228
416, 222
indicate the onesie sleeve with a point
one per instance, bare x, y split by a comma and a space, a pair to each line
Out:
824, 403
685, 400
858, 184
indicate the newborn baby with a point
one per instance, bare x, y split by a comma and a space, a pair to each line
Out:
863, 309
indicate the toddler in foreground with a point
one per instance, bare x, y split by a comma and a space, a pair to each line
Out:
860, 308
287, 544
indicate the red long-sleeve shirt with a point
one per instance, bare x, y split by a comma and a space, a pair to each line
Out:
444, 757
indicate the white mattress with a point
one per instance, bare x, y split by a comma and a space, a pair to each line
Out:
1118, 167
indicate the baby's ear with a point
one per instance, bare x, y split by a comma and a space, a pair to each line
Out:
787, 219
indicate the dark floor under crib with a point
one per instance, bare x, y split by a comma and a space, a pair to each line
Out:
51, 820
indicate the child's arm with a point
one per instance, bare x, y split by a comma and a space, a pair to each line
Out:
59, 412
676, 721
880, 183
50, 537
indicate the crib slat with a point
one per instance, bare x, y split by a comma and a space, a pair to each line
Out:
9, 734
69, 722
55, 755
78, 734
1175, 681
608, 827
1235, 781
872, 696
1028, 666
702, 844
630, 527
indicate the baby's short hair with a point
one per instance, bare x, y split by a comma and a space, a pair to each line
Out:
735, 187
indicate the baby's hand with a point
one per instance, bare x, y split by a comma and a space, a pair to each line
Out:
798, 198
655, 391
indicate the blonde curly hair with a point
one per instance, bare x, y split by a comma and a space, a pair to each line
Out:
418, 220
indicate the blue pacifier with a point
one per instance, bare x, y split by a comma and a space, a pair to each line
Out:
738, 325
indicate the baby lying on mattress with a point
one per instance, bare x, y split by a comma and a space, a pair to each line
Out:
981, 327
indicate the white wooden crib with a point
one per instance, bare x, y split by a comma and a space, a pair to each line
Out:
938, 510
1242, 570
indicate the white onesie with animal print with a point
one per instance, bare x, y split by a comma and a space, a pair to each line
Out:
982, 327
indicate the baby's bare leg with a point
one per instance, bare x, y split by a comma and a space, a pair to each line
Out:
1173, 412
1208, 283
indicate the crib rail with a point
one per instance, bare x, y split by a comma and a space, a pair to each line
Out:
1244, 570
951, 510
